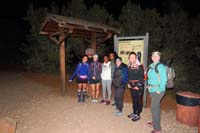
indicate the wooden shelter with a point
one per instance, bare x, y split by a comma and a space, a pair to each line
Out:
58, 28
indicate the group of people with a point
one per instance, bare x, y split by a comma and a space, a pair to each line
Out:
91, 73
113, 73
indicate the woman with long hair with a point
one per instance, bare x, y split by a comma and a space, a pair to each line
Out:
136, 85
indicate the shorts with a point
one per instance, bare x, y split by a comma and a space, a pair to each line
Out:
95, 81
80, 80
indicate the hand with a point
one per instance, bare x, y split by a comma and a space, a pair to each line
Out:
129, 86
70, 81
93, 77
158, 92
148, 87
136, 88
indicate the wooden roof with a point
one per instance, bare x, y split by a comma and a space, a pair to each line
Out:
56, 24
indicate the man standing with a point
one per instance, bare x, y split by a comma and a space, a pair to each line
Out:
89, 52
120, 79
112, 57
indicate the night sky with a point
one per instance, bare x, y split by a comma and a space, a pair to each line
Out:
14, 28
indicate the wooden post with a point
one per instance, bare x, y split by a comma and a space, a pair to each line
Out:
62, 64
145, 60
94, 42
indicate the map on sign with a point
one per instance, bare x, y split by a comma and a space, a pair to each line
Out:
127, 46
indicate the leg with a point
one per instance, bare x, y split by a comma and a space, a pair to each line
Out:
116, 90
132, 97
97, 91
93, 91
155, 109
79, 92
108, 85
136, 105
104, 89
120, 98
140, 103
88, 90
137, 102
84, 92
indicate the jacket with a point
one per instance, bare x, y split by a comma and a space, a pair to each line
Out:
120, 77
157, 81
82, 69
95, 70
136, 73
106, 71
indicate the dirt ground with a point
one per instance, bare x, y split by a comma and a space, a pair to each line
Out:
34, 101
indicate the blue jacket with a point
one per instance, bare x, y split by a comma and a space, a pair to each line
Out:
82, 69
120, 76
159, 79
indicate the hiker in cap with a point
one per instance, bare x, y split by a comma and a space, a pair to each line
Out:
136, 84
156, 87
95, 78
82, 74
120, 78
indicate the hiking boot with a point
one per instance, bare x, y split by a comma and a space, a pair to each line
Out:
131, 115
107, 102
79, 96
136, 118
84, 95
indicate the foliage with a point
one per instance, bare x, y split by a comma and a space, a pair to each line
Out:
42, 54
175, 35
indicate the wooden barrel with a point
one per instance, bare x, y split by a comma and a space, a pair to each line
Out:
187, 111
199, 121
7, 125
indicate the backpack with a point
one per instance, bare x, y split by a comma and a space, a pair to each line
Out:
170, 72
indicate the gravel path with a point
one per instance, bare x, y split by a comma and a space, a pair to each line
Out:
40, 109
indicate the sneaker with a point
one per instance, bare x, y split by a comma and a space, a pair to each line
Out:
136, 118
131, 115
107, 102
118, 113
113, 104
93, 100
149, 124
103, 101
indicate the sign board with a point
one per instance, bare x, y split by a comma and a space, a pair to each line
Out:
125, 47
138, 44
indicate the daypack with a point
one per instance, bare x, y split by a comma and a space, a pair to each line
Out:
170, 72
